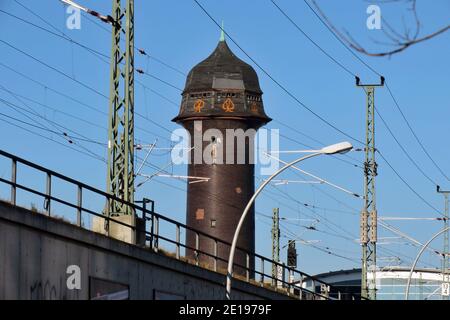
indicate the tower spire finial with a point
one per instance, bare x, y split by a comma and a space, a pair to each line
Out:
222, 33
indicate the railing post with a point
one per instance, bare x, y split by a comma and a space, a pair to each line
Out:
156, 229
291, 281
47, 204
247, 267
152, 220
178, 242
152, 230
79, 205
262, 271
197, 244
134, 225
14, 181
300, 283
215, 255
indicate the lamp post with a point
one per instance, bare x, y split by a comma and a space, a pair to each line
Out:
417, 259
342, 147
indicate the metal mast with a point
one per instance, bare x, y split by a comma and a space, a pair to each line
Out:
275, 242
120, 174
368, 225
446, 244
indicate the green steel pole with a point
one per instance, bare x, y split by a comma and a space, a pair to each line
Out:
275, 243
368, 222
120, 166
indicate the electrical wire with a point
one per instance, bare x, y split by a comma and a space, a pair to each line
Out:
297, 100
379, 114
386, 84
408, 185
403, 149
311, 40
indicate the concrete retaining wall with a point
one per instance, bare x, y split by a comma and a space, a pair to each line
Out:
35, 252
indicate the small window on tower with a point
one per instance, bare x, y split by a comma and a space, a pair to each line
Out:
213, 223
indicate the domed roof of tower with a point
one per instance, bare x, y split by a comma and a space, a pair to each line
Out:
222, 70
222, 86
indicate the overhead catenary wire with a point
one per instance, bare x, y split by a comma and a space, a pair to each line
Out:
403, 149
415, 135
408, 185
181, 189
65, 37
340, 40
53, 140
282, 87
103, 57
73, 99
379, 114
58, 131
64, 74
79, 82
311, 40
387, 86
52, 123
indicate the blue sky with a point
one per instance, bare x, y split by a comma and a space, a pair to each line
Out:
180, 34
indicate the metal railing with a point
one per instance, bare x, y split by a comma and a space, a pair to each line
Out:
293, 285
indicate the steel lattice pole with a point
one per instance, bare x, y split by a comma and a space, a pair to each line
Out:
120, 170
368, 223
275, 243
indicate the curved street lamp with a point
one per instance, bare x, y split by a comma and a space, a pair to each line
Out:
342, 147
417, 259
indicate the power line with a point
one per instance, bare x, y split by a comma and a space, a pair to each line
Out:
340, 40
408, 185
63, 135
311, 147
97, 53
387, 86
55, 125
53, 68
311, 40
64, 36
287, 196
48, 138
96, 125
300, 103
80, 102
138, 70
398, 107
403, 149
414, 134
159, 79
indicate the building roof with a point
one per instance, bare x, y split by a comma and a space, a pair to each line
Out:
223, 86
222, 70
357, 272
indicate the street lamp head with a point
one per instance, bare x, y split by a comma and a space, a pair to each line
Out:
342, 147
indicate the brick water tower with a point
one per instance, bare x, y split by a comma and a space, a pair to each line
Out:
221, 92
